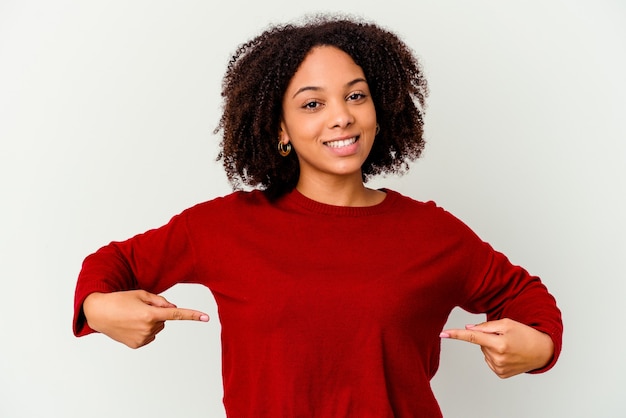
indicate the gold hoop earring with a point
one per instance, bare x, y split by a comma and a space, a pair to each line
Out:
284, 149
377, 129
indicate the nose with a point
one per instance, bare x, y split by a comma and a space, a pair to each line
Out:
340, 115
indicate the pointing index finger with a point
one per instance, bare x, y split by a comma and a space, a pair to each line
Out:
469, 335
181, 314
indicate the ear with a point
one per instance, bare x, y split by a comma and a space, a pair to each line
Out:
283, 136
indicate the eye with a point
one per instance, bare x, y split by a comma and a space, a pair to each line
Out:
356, 96
312, 105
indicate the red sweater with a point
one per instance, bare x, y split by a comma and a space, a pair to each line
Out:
326, 311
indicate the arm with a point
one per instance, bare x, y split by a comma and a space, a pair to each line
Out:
523, 332
116, 291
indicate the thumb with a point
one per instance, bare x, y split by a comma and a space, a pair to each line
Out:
489, 327
154, 300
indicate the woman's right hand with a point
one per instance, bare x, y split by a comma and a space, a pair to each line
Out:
133, 317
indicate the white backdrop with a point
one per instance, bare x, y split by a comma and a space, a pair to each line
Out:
106, 117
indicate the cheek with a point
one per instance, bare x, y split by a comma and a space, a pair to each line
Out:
372, 115
303, 128
366, 115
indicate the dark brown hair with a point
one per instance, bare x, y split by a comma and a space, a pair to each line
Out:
258, 75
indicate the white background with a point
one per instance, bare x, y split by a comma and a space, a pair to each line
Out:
106, 117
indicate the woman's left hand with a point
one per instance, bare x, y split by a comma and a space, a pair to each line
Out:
510, 347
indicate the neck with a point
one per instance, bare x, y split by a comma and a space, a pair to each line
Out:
349, 191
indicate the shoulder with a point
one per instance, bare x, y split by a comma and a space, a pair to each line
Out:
406, 203
235, 201
398, 198
428, 214
240, 197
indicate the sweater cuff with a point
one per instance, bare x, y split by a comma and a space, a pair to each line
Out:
557, 340
79, 325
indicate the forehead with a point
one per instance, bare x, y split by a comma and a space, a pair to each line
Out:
324, 65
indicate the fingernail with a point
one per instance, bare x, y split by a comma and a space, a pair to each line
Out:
470, 326
204, 318
444, 335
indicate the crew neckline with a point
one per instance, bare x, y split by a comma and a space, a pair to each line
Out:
295, 198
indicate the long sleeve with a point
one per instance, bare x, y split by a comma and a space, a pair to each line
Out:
503, 290
153, 261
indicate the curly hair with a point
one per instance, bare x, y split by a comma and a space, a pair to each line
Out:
257, 77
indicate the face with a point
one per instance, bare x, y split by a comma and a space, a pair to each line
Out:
329, 116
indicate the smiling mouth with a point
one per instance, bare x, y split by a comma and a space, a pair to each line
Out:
342, 142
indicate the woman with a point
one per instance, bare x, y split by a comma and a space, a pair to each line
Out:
332, 296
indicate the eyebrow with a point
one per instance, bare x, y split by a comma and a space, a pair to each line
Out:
315, 88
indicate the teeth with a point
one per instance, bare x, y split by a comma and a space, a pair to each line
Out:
341, 143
